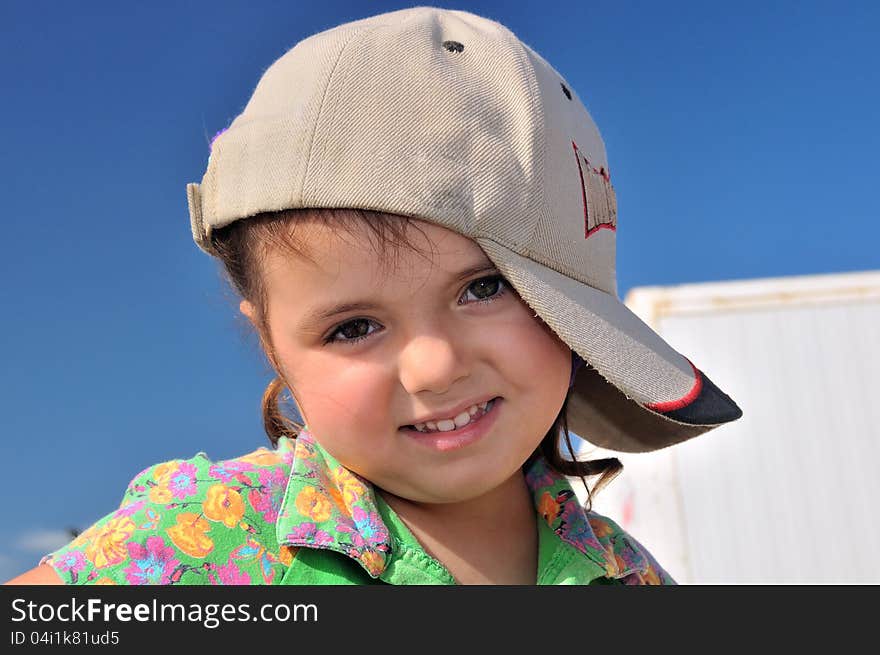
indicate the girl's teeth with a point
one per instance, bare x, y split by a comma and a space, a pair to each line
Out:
445, 425
462, 419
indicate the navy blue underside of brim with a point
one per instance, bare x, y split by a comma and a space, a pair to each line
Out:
710, 407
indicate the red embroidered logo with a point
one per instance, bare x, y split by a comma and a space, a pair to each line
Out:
600, 203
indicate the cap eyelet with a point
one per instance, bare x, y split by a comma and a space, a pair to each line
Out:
566, 91
453, 46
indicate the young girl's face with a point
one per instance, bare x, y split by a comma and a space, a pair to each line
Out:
427, 344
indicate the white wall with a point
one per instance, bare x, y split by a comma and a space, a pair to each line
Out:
788, 493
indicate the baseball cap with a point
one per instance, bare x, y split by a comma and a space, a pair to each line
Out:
449, 117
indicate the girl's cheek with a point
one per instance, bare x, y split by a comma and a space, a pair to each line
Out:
351, 398
532, 337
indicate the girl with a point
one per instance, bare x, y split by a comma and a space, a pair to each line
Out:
417, 213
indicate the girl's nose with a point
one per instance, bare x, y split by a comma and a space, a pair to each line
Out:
432, 363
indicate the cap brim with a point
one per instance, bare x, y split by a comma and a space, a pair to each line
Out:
636, 393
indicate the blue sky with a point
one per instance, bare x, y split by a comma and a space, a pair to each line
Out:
742, 140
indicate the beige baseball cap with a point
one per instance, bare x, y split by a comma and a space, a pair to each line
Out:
447, 116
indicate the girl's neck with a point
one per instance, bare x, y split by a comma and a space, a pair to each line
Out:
492, 539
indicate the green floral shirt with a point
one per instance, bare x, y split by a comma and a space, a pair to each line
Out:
294, 515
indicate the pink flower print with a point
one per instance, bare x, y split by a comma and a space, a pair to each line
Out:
287, 457
72, 561
576, 529
539, 476
267, 499
307, 534
150, 564
129, 509
182, 482
227, 574
367, 530
226, 471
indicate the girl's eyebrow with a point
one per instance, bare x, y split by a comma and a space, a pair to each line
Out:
323, 313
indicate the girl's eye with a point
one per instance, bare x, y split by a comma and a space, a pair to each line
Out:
489, 289
354, 330
485, 290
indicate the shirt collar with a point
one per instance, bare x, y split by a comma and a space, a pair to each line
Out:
330, 507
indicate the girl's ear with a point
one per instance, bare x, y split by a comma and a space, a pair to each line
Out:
247, 309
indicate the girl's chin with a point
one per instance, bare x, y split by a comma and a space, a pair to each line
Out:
464, 486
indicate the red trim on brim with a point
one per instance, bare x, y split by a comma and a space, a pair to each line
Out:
684, 401
601, 226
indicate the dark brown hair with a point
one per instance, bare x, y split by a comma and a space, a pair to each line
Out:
242, 247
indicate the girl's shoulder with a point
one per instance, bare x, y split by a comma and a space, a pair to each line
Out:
188, 521
627, 559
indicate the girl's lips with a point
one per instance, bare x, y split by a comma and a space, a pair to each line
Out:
460, 437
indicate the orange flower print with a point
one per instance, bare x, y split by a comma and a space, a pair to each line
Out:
225, 504
160, 495
372, 561
303, 451
107, 544
352, 488
105, 580
601, 528
261, 457
612, 569
314, 504
190, 535
161, 491
286, 554
336, 495
551, 507
650, 576
615, 565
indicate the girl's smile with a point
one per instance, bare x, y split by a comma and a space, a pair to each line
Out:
444, 440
